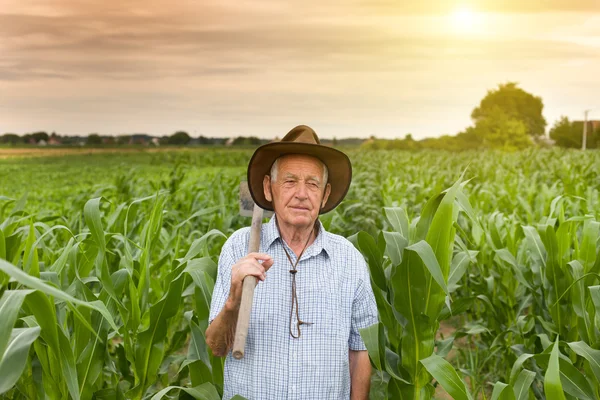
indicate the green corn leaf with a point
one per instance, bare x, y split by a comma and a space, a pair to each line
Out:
591, 355
395, 245
573, 381
588, 244
370, 337
502, 391
39, 305
202, 271
198, 349
552, 383
149, 342
425, 252
507, 257
369, 248
458, 267
35, 283
444, 373
69, 369
523, 383
536, 247
198, 244
14, 359
206, 391
409, 283
2, 245
10, 304
31, 264
91, 213
398, 219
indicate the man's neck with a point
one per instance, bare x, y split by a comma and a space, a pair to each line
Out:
297, 238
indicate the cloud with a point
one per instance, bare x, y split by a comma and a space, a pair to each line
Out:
507, 6
142, 47
356, 66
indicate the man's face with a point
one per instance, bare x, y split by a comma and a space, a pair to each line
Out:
298, 193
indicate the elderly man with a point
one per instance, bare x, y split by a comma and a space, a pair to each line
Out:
314, 291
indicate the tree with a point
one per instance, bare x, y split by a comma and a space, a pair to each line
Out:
517, 104
564, 135
499, 130
94, 139
11, 138
179, 138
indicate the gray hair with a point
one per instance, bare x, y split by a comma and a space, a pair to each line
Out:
275, 169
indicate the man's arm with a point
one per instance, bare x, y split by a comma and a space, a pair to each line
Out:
220, 333
360, 374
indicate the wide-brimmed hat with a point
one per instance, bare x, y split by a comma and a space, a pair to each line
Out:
300, 140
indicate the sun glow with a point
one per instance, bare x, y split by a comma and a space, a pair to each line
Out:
465, 20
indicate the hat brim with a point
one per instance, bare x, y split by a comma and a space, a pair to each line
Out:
338, 166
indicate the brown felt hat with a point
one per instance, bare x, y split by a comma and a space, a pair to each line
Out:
300, 140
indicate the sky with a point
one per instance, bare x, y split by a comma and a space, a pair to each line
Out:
347, 68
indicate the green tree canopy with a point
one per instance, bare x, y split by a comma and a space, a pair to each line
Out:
93, 139
12, 138
179, 138
517, 104
499, 130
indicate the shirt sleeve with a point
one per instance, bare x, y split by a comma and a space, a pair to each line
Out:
223, 282
364, 309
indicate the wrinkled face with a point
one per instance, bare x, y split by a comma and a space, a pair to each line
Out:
298, 192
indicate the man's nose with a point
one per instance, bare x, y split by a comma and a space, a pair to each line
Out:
301, 191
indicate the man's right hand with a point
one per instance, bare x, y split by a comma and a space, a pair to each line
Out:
248, 265
220, 333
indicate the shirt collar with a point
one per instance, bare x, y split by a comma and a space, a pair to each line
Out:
271, 234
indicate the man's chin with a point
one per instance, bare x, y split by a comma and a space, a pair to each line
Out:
300, 219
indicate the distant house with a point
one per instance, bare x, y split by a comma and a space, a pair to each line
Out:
54, 141
140, 138
42, 142
593, 125
229, 141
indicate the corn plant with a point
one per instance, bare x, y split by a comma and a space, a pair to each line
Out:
411, 268
118, 310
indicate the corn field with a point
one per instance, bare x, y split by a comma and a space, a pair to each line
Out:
485, 268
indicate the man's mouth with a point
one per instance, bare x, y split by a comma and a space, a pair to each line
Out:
299, 208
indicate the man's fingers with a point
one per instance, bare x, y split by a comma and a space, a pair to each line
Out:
268, 264
252, 268
259, 256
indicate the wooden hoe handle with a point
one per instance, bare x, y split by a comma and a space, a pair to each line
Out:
241, 330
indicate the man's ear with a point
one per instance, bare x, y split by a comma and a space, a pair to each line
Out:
326, 195
267, 188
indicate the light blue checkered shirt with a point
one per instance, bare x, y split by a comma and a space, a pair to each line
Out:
334, 293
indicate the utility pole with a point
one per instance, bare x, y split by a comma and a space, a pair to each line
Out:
584, 140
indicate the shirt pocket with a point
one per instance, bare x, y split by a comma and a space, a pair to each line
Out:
324, 308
